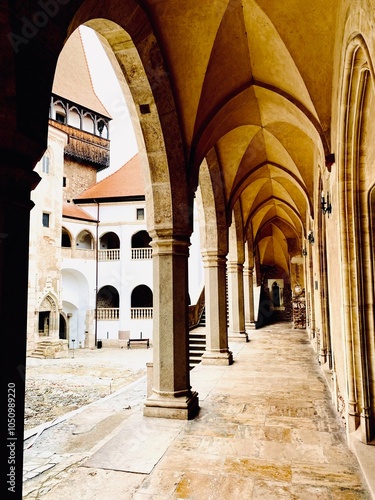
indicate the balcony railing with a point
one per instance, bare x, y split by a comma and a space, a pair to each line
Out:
141, 253
108, 313
107, 255
141, 312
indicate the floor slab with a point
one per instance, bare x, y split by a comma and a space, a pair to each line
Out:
266, 429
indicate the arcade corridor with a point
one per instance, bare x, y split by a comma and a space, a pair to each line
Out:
266, 429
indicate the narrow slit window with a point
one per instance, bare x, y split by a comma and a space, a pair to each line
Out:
45, 219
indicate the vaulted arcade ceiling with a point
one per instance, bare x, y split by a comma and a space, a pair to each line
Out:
252, 80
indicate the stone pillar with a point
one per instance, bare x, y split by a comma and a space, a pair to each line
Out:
217, 352
171, 392
15, 206
249, 298
237, 331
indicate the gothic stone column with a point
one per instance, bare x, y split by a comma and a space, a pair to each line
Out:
15, 206
217, 352
249, 298
237, 331
171, 392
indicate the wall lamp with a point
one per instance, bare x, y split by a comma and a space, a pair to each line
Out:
310, 237
325, 204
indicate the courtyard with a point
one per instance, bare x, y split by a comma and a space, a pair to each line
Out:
55, 387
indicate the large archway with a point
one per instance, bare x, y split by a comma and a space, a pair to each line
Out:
356, 198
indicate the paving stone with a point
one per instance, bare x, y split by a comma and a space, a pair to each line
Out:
266, 429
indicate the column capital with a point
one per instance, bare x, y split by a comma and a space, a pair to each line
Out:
212, 259
234, 267
169, 244
248, 271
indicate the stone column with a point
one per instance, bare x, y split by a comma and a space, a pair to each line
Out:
15, 206
171, 392
249, 298
237, 331
217, 352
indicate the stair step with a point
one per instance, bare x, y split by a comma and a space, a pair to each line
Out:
195, 360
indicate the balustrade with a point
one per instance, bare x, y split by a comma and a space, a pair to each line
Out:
108, 313
109, 254
141, 312
141, 253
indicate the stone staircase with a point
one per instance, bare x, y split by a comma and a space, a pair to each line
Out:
197, 342
50, 349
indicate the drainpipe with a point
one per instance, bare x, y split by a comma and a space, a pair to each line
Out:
96, 273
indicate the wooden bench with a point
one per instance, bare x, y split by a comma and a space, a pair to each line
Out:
146, 341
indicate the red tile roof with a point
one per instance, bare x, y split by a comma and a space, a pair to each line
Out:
74, 212
125, 182
72, 76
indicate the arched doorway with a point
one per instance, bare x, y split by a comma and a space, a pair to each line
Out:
62, 328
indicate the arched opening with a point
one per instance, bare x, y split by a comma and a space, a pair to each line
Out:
357, 389
88, 123
108, 303
84, 241
48, 317
141, 296
65, 238
141, 302
141, 248
62, 328
59, 112
43, 323
109, 247
74, 118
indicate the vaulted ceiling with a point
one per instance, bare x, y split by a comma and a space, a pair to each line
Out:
252, 79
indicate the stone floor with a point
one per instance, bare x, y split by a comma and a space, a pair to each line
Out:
266, 430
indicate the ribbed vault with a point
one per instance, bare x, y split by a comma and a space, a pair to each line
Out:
250, 80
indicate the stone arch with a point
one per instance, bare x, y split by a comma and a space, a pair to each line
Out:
140, 239
109, 241
85, 240
357, 276
140, 63
66, 238
211, 199
78, 299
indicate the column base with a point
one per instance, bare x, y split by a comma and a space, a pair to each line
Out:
250, 326
217, 358
352, 417
238, 337
365, 426
182, 408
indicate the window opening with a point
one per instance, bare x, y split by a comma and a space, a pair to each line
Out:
45, 220
140, 214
